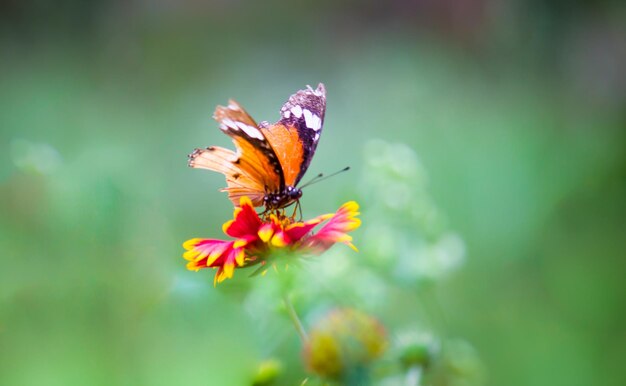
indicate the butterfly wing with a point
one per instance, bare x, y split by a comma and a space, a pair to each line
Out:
295, 136
252, 146
225, 161
254, 169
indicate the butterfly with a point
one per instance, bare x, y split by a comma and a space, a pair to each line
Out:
270, 159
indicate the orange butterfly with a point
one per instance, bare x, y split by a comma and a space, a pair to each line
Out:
270, 159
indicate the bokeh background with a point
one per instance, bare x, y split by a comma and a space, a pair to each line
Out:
500, 123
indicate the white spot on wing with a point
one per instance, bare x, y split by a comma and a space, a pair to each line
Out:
251, 131
308, 118
297, 111
241, 125
317, 123
286, 114
312, 121
230, 123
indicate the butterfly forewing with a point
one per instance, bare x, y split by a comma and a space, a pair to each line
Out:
253, 148
303, 112
251, 171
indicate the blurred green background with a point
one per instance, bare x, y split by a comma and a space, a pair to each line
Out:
514, 110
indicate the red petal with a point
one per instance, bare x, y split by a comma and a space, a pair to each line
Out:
246, 221
335, 230
203, 253
298, 230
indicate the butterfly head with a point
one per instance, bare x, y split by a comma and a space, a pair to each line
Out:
290, 195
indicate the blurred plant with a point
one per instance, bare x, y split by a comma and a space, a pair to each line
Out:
40, 158
406, 243
406, 236
413, 354
268, 373
416, 350
424, 359
343, 344
458, 364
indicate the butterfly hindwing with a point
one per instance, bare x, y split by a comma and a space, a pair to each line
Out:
241, 179
287, 147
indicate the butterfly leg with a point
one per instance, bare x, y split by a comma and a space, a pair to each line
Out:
266, 214
297, 209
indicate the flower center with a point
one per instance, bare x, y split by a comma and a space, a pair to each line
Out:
279, 216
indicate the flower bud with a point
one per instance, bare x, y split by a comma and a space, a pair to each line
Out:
267, 372
344, 343
416, 350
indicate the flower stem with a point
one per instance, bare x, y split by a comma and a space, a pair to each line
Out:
295, 319
413, 376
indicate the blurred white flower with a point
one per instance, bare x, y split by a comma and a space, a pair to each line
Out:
35, 157
438, 259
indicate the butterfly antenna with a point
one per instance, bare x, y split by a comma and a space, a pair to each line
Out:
312, 180
321, 177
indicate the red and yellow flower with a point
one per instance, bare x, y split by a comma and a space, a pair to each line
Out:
254, 239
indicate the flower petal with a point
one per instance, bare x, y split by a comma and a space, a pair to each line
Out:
232, 259
280, 240
298, 230
266, 232
246, 221
203, 253
240, 255
335, 230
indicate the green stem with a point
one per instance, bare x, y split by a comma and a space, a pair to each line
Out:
295, 319
413, 376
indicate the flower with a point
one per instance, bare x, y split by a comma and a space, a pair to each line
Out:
343, 344
255, 239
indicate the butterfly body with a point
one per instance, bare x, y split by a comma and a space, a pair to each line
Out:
282, 199
270, 159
